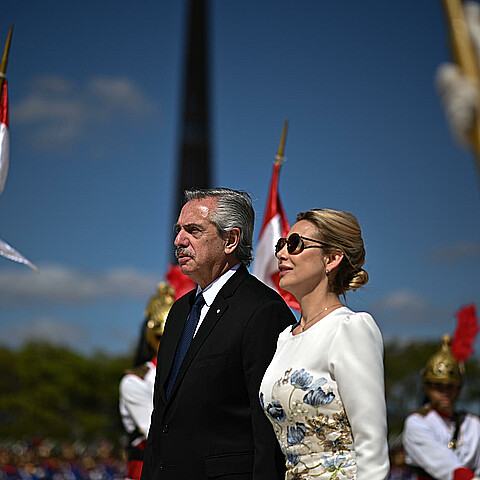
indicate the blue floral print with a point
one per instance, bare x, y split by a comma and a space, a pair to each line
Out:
276, 411
316, 441
301, 379
296, 434
318, 383
292, 457
318, 397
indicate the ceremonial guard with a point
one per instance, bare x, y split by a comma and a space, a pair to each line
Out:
440, 442
136, 387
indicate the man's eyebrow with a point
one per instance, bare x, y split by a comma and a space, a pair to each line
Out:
189, 226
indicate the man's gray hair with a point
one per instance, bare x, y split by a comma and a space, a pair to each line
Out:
234, 210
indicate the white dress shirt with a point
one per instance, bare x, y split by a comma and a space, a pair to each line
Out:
210, 292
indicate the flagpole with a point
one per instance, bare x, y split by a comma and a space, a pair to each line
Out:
466, 58
275, 224
279, 158
3, 65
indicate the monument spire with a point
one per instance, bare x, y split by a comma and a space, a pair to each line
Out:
194, 151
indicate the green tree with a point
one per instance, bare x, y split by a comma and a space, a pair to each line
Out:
51, 391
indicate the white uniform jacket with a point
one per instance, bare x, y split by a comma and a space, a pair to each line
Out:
426, 437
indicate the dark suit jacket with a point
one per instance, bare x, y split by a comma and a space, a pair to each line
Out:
213, 426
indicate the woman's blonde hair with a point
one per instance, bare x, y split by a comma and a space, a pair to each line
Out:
340, 231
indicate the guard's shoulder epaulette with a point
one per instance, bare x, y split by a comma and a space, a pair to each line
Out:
424, 411
139, 371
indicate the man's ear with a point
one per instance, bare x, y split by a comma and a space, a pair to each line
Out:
231, 243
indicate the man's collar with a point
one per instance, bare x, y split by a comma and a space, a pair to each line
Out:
210, 291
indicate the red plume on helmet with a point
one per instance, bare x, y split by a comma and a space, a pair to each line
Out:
465, 333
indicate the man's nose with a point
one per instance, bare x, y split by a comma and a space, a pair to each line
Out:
180, 239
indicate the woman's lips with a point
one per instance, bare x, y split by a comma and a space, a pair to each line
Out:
283, 270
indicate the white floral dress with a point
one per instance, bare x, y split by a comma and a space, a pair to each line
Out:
324, 395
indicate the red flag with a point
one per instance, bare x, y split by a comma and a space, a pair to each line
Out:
4, 136
275, 225
179, 281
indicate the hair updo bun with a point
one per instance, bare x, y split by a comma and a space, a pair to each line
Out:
340, 230
358, 280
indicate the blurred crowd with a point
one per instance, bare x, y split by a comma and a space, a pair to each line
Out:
47, 460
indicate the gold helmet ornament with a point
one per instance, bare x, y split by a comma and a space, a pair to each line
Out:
442, 367
156, 313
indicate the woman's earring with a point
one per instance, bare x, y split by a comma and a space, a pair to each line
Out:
327, 272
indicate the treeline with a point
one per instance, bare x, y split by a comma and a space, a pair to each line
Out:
50, 391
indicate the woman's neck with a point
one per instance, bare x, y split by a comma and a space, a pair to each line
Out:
315, 302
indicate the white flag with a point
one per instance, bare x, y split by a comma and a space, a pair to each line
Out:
275, 225
7, 250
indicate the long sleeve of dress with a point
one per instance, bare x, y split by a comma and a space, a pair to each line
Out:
356, 363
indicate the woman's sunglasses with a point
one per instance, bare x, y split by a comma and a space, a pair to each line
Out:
295, 244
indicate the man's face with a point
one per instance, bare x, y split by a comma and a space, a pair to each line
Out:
200, 249
442, 396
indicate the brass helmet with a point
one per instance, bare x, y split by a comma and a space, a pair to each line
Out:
442, 367
156, 313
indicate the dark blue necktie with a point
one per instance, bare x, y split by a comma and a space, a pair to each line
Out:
185, 340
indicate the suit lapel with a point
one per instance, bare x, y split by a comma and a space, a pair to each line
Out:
215, 312
175, 332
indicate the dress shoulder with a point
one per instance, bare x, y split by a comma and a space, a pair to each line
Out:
351, 316
361, 323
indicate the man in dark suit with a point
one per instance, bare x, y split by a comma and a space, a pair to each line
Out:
207, 420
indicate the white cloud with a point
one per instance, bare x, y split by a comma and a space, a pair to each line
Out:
405, 315
51, 136
45, 329
119, 94
65, 285
59, 113
458, 251
52, 83
39, 108
402, 309
402, 299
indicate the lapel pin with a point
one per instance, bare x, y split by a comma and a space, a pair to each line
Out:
218, 310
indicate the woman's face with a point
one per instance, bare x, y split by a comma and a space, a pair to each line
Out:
303, 272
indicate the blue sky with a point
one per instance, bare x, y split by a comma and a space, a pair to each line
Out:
95, 91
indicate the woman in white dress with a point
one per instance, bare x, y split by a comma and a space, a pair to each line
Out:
324, 389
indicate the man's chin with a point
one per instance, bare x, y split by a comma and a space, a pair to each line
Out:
183, 268
186, 265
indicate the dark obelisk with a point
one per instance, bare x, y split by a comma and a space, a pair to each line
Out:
194, 154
